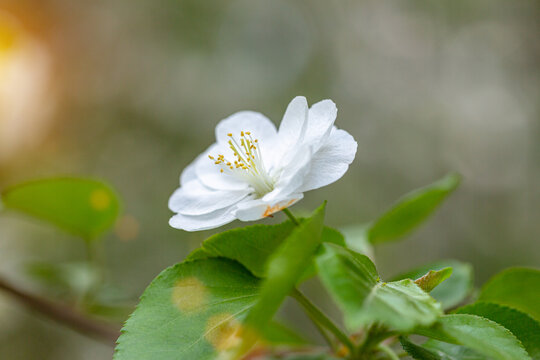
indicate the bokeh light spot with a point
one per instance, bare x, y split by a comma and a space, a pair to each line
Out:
127, 228
8, 36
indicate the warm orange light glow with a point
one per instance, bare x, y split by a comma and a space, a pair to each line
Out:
25, 99
8, 37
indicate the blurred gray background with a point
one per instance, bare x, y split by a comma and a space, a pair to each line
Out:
130, 92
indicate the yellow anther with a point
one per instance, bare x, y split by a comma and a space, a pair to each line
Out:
241, 133
221, 170
229, 134
247, 132
211, 157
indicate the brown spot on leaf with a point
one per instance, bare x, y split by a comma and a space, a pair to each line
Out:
189, 294
100, 200
223, 331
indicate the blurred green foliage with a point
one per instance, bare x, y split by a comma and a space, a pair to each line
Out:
137, 88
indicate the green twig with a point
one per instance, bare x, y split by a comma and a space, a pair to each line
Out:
322, 319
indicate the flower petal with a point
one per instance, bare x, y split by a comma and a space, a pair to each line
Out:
256, 123
294, 122
189, 173
257, 209
292, 175
202, 222
321, 118
331, 161
210, 175
303, 126
193, 198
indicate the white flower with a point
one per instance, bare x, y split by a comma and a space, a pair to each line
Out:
254, 170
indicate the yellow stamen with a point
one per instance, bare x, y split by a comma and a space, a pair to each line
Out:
247, 162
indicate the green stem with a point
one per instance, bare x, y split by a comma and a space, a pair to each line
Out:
322, 319
374, 336
388, 351
323, 333
291, 216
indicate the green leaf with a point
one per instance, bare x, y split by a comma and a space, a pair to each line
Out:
250, 246
437, 350
518, 288
411, 210
192, 310
451, 351
453, 290
479, 334
524, 327
285, 267
303, 357
429, 281
276, 333
418, 352
352, 281
253, 245
356, 238
83, 207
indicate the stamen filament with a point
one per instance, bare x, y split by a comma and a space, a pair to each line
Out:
249, 164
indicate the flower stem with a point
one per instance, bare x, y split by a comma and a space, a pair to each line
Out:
291, 216
322, 319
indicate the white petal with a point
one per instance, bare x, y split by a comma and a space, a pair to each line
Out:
189, 173
193, 198
210, 175
257, 209
303, 126
202, 222
294, 122
331, 161
260, 127
292, 175
321, 118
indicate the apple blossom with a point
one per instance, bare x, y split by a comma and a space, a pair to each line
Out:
254, 170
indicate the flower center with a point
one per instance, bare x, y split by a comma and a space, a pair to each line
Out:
249, 165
